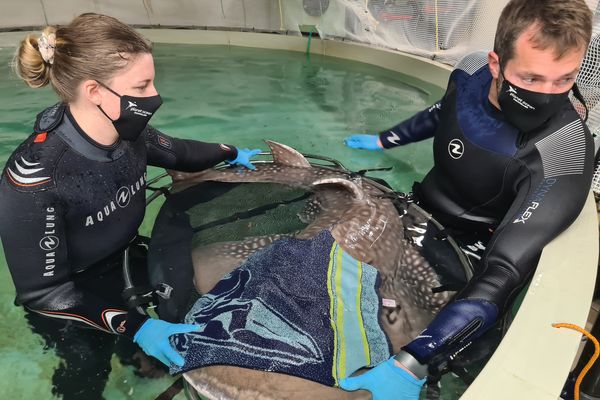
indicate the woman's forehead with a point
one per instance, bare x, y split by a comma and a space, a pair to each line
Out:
140, 67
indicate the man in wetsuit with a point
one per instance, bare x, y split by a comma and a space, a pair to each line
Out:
72, 195
511, 157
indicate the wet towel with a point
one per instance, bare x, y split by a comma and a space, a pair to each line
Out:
299, 307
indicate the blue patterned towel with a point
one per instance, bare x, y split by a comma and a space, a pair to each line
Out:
299, 307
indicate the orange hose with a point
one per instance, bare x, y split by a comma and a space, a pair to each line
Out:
587, 367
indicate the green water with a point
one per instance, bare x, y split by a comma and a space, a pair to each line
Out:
237, 96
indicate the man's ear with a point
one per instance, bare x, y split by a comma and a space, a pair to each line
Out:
494, 63
91, 91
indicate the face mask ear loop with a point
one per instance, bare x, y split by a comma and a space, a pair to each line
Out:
109, 89
105, 114
498, 81
579, 97
113, 92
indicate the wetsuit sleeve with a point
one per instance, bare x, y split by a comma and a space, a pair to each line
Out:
33, 232
419, 127
185, 155
550, 194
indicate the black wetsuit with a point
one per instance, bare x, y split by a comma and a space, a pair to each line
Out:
488, 176
69, 206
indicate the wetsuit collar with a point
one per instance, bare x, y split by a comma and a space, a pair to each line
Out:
490, 108
77, 139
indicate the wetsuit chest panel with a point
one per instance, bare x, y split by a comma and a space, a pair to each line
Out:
472, 176
105, 202
473, 153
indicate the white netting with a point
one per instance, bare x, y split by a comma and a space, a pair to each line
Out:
596, 181
588, 82
589, 77
442, 30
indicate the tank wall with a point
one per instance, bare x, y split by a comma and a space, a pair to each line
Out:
259, 14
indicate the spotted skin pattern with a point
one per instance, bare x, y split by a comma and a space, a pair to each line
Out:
367, 226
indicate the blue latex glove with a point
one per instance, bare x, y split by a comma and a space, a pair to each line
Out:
244, 156
366, 142
386, 382
153, 338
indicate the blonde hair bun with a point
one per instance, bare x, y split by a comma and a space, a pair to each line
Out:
29, 62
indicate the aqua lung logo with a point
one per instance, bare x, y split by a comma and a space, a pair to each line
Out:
456, 149
436, 106
121, 200
49, 242
130, 105
123, 197
393, 138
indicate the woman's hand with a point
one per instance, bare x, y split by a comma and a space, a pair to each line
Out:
153, 338
244, 156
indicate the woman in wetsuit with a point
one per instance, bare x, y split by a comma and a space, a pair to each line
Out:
72, 194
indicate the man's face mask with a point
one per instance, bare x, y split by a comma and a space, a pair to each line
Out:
528, 110
135, 114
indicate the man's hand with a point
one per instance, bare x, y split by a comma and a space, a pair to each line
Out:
386, 381
365, 142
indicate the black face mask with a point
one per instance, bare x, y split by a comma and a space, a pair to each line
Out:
528, 110
135, 114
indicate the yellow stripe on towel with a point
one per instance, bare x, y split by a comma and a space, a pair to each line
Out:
340, 312
363, 332
331, 312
